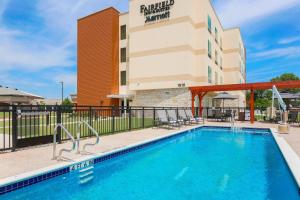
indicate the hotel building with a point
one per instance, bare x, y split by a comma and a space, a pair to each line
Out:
152, 54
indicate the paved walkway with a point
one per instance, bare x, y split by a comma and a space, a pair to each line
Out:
34, 158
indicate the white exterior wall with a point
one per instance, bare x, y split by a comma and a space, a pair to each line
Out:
173, 53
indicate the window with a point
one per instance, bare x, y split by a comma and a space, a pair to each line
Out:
221, 80
123, 78
209, 74
221, 44
123, 32
209, 49
216, 78
123, 54
216, 35
216, 57
209, 23
221, 63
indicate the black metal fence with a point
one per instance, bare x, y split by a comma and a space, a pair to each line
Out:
22, 126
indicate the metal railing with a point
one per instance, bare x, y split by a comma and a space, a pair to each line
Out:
58, 127
87, 144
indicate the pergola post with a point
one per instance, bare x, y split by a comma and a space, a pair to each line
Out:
201, 96
193, 103
252, 117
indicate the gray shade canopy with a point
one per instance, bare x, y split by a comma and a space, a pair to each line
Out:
289, 96
225, 95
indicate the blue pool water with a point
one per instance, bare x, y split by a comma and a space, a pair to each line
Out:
203, 164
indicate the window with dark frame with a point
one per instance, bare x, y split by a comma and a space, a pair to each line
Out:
123, 78
123, 54
123, 32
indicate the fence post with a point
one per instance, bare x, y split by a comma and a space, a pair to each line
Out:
14, 127
154, 117
113, 119
90, 119
143, 117
58, 121
129, 113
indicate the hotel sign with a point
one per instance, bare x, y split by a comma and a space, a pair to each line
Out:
157, 11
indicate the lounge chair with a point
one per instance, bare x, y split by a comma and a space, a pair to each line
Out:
162, 119
191, 117
173, 117
182, 115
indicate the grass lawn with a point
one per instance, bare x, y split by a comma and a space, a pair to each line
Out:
40, 126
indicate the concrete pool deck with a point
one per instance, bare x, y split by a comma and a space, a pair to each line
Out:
39, 157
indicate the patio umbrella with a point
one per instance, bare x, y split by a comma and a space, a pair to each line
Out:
225, 96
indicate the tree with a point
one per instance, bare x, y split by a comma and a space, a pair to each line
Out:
287, 77
263, 98
67, 102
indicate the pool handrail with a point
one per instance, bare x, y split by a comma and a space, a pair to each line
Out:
78, 136
54, 141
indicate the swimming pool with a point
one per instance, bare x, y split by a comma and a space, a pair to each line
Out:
206, 163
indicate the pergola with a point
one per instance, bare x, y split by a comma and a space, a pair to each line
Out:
201, 91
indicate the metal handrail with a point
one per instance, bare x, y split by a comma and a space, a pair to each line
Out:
78, 136
54, 141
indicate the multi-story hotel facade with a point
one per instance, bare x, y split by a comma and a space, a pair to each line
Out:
152, 54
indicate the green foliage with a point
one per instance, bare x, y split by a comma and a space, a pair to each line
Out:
285, 77
263, 98
67, 102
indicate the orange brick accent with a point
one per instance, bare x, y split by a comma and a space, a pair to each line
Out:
98, 58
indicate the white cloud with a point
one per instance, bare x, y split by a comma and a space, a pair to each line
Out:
288, 52
289, 40
238, 12
69, 79
55, 44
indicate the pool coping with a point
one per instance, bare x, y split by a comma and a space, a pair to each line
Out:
290, 156
13, 183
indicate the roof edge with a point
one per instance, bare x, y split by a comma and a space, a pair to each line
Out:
100, 11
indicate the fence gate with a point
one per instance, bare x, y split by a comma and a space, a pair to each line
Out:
33, 126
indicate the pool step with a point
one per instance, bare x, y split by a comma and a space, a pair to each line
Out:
86, 180
86, 169
86, 175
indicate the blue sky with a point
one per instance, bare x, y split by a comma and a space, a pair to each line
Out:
38, 39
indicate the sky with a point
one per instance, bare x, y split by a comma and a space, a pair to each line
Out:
38, 39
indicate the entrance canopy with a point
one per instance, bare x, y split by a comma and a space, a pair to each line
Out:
120, 96
201, 91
